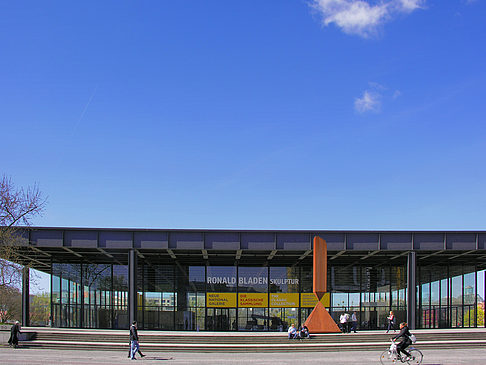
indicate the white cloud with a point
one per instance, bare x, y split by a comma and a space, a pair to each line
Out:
370, 101
362, 17
411, 5
373, 97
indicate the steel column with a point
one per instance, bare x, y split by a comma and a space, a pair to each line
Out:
81, 294
25, 297
411, 289
132, 286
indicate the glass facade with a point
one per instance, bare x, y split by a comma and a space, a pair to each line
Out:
260, 298
451, 297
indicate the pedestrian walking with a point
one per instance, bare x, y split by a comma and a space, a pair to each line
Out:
14, 335
130, 350
354, 322
343, 321
391, 322
134, 345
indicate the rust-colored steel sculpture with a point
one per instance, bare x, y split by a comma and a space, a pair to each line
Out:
320, 321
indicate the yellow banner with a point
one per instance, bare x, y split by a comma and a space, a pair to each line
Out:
280, 300
260, 300
309, 300
221, 300
326, 300
252, 300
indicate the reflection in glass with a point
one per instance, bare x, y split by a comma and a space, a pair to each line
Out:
284, 280
253, 319
221, 279
253, 279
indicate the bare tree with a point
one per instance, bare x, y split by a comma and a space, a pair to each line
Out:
18, 206
10, 307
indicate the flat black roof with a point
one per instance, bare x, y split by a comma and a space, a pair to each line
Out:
249, 247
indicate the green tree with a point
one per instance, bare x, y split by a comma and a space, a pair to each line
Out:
469, 317
40, 309
480, 317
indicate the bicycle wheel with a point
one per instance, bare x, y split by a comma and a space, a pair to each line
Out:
416, 357
387, 358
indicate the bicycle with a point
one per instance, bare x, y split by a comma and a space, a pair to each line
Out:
391, 356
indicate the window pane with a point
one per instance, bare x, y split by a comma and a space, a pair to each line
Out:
284, 280
253, 279
221, 279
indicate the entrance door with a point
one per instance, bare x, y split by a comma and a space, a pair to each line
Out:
253, 319
282, 318
221, 319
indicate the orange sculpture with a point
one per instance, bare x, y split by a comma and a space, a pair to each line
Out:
320, 321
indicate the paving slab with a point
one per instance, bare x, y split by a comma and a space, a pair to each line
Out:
77, 357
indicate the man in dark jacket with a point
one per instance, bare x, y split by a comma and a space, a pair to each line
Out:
134, 346
405, 333
14, 335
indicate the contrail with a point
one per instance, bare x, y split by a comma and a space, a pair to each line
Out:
84, 110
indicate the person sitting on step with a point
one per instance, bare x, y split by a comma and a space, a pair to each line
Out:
292, 332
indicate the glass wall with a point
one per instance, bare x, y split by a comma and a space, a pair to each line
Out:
66, 295
260, 298
191, 297
97, 295
253, 298
469, 298
89, 296
306, 290
375, 297
120, 296
56, 296
221, 294
158, 296
284, 289
481, 294
451, 296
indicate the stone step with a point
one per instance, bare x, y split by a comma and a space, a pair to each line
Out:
244, 342
187, 338
289, 347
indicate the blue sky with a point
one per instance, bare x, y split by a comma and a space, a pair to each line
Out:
308, 114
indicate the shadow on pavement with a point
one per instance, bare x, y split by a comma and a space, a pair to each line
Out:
155, 358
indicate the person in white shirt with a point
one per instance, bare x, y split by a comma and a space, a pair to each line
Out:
292, 331
343, 321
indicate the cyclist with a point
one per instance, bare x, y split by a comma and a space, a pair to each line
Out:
406, 341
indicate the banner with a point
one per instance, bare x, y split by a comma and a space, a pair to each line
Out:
281, 300
309, 300
221, 300
261, 300
252, 300
326, 300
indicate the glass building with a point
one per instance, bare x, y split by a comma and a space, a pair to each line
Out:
215, 280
